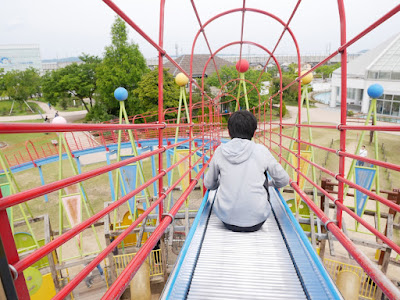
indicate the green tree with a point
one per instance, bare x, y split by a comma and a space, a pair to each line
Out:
293, 69
289, 96
51, 88
20, 85
229, 73
326, 71
78, 80
2, 85
123, 65
146, 94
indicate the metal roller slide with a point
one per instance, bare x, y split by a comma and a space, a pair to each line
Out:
276, 262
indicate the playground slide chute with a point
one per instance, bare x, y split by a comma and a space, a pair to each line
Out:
275, 262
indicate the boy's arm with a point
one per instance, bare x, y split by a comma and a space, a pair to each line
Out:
211, 180
280, 177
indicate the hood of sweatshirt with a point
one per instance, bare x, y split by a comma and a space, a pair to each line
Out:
237, 151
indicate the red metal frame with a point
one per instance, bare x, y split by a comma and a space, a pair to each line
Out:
162, 128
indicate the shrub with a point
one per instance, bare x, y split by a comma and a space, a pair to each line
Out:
350, 113
64, 103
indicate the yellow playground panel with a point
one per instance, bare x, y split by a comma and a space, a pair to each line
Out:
47, 290
367, 288
304, 212
154, 260
131, 239
183, 167
25, 242
305, 153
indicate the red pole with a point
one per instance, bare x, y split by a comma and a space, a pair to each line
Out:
160, 104
343, 105
126, 276
16, 159
11, 253
372, 270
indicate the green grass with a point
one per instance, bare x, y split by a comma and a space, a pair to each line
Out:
70, 105
16, 140
98, 188
69, 108
325, 137
19, 108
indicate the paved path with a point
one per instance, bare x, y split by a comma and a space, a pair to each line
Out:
70, 116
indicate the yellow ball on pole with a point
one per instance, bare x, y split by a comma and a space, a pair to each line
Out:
181, 79
308, 78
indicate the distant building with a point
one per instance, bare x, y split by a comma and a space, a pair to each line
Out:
55, 64
199, 61
380, 65
20, 57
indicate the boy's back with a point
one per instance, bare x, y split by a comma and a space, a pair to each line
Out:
238, 170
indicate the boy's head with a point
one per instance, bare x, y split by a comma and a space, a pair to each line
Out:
242, 124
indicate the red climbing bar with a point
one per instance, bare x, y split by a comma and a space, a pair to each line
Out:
32, 127
54, 186
102, 255
370, 268
118, 287
160, 105
57, 242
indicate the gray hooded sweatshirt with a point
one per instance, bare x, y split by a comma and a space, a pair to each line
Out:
237, 169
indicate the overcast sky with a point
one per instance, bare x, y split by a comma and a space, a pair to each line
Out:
68, 28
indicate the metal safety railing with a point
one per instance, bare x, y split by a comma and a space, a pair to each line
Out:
154, 260
210, 134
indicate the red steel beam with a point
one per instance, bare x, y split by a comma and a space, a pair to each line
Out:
386, 165
11, 254
385, 17
118, 287
206, 40
372, 229
160, 105
102, 255
33, 128
54, 186
119, 12
371, 269
54, 244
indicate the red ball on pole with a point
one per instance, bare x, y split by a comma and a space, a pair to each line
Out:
242, 66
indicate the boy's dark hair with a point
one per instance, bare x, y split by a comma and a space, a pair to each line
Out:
242, 124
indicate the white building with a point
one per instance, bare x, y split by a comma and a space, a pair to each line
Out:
380, 65
20, 57
53, 65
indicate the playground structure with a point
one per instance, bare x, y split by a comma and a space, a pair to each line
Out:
199, 139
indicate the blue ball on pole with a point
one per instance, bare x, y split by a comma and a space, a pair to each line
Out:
121, 94
375, 90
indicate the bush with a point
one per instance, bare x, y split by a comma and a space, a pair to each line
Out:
64, 103
350, 113
98, 114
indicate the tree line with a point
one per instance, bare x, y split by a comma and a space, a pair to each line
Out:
93, 81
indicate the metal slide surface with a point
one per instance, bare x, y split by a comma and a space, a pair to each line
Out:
272, 263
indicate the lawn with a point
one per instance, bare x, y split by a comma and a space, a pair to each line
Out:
330, 138
68, 105
18, 140
99, 192
97, 188
19, 108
